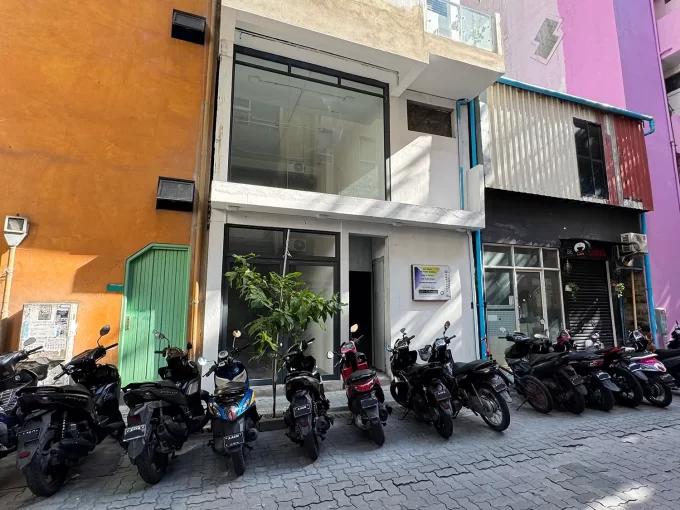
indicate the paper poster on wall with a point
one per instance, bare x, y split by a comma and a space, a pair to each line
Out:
53, 325
431, 283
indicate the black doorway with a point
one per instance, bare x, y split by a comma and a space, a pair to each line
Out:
360, 303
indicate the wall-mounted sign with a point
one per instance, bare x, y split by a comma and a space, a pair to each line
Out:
431, 283
581, 248
53, 325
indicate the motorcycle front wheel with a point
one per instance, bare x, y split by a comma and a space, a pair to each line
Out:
377, 433
537, 394
602, 398
239, 461
658, 394
44, 482
500, 419
631, 393
575, 404
444, 424
152, 465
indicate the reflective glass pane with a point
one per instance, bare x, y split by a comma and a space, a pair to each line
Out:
529, 302
595, 141
255, 240
499, 287
527, 257
320, 280
581, 135
497, 255
288, 132
306, 244
550, 258
600, 180
585, 175
553, 299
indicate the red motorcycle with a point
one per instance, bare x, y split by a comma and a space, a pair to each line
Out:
365, 397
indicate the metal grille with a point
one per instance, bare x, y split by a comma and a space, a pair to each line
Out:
8, 399
589, 309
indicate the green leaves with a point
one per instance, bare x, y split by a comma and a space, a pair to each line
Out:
285, 304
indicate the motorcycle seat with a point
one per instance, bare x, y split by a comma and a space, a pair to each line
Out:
461, 367
67, 388
361, 374
667, 353
155, 384
231, 389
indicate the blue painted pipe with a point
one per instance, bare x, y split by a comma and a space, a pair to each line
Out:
461, 181
580, 100
479, 265
648, 284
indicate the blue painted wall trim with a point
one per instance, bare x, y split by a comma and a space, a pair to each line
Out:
648, 282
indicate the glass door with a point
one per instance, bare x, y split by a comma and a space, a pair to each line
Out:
529, 302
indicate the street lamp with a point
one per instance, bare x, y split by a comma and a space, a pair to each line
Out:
15, 230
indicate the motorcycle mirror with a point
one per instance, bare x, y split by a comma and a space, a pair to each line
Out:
354, 328
388, 348
29, 341
330, 355
543, 322
105, 330
403, 330
447, 325
189, 346
202, 361
503, 330
42, 360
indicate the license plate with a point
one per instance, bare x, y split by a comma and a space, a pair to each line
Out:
442, 395
302, 410
136, 432
233, 440
28, 435
576, 380
500, 386
369, 402
603, 376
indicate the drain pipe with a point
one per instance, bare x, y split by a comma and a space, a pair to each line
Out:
648, 284
479, 264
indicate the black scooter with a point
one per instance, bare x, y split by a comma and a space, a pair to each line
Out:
419, 388
530, 357
478, 385
163, 414
14, 375
307, 416
64, 423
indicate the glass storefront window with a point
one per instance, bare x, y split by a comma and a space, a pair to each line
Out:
303, 130
527, 257
521, 295
314, 255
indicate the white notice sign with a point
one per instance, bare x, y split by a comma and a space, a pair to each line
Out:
431, 283
53, 325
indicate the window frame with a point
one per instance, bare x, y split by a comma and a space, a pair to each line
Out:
588, 126
338, 75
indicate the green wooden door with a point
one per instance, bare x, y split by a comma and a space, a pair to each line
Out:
155, 298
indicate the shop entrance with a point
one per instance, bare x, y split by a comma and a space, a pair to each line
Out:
367, 295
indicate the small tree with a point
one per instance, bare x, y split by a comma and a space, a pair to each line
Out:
285, 305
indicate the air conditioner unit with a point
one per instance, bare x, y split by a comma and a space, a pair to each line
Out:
633, 243
297, 245
296, 167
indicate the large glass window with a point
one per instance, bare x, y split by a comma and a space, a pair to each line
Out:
522, 293
590, 155
314, 255
301, 128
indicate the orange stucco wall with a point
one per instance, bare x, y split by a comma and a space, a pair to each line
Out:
96, 102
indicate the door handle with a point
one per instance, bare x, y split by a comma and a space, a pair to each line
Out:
127, 322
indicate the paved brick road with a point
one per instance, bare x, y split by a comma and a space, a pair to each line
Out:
626, 459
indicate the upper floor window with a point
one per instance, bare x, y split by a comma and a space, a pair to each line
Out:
590, 154
298, 126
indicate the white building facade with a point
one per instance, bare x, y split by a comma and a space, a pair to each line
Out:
349, 135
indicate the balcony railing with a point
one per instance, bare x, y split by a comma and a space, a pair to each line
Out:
461, 24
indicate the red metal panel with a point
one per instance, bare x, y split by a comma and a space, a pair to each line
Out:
608, 159
630, 142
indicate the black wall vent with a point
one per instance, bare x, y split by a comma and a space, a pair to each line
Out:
175, 194
188, 27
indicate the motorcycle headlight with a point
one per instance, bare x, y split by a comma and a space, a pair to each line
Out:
232, 413
660, 366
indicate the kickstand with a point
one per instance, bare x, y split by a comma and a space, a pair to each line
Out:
523, 402
405, 414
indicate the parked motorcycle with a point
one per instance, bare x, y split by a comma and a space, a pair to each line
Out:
15, 374
365, 397
232, 409
589, 364
531, 357
657, 388
64, 423
307, 416
479, 385
164, 413
675, 337
419, 388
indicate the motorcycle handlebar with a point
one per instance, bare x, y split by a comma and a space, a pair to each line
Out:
111, 346
156, 352
60, 376
31, 351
